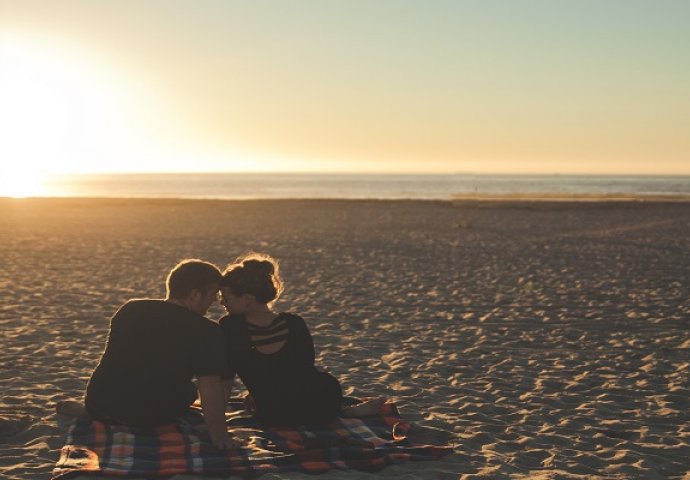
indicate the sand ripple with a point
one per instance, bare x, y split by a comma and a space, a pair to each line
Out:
548, 340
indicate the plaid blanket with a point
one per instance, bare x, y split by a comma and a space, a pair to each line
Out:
367, 444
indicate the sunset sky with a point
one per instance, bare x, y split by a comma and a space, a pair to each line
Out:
548, 86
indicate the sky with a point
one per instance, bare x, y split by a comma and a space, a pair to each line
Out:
389, 86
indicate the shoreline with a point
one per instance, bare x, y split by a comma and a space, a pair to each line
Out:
576, 198
484, 198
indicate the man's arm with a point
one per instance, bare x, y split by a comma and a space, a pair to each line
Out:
213, 407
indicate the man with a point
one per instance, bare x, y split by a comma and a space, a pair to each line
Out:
155, 348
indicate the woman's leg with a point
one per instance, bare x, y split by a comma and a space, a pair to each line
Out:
363, 409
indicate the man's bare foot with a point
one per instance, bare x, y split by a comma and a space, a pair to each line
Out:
421, 435
71, 408
364, 409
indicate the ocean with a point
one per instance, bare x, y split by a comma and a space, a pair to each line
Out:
351, 186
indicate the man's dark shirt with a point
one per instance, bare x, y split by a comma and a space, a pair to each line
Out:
154, 350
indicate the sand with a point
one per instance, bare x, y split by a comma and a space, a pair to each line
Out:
549, 339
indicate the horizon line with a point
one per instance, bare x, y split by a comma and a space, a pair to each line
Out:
377, 173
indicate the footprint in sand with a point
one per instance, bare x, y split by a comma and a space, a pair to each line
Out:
11, 426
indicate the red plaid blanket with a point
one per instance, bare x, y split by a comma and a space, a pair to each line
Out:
367, 444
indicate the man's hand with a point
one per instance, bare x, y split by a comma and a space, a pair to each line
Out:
223, 440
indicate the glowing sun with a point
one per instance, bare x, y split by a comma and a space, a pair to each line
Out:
61, 112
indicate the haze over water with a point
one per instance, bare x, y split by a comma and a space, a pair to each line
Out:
258, 186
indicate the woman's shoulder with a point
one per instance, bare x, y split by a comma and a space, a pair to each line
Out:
292, 319
289, 316
233, 322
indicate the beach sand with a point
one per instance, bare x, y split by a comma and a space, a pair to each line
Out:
550, 339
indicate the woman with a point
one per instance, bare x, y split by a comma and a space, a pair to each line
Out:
273, 354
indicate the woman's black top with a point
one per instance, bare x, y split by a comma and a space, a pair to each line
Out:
286, 386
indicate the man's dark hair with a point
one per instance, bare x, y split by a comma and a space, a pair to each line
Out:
189, 275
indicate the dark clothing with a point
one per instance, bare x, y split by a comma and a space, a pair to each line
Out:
154, 350
286, 387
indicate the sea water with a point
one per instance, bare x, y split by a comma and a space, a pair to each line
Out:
355, 186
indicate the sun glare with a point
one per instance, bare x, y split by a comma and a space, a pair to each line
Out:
50, 105
21, 185
65, 110
60, 112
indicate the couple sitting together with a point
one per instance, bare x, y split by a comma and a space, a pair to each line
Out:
156, 348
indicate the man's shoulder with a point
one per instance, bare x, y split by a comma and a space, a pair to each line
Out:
163, 310
145, 307
292, 318
137, 305
143, 303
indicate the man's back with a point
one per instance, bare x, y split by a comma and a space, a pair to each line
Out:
154, 349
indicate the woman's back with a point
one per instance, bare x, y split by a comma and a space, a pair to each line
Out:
276, 364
